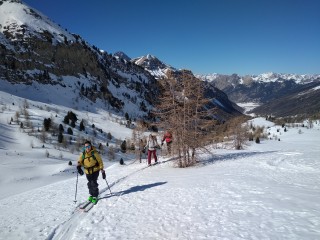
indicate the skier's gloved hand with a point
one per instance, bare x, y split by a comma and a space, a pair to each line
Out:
103, 174
80, 170
161, 144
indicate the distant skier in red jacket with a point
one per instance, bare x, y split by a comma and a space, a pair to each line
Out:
168, 138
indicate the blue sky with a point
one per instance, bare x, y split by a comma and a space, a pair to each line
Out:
205, 36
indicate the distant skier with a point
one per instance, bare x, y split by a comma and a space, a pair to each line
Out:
152, 145
92, 163
168, 138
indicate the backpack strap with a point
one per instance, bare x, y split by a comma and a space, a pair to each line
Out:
83, 157
93, 156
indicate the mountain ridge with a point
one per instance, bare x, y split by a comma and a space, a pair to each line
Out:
36, 51
264, 77
48, 55
39, 54
278, 94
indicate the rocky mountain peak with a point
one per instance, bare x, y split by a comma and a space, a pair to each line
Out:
152, 64
122, 55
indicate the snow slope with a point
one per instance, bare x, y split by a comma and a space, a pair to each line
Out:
268, 191
17, 17
24, 164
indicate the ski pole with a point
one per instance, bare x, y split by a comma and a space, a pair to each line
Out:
104, 177
75, 196
108, 186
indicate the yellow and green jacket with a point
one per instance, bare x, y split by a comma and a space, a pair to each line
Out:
91, 161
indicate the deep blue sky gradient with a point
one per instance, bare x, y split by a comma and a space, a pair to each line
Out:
205, 36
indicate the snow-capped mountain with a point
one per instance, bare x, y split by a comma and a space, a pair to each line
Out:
153, 65
264, 77
279, 94
122, 55
37, 53
303, 102
298, 78
218, 99
19, 21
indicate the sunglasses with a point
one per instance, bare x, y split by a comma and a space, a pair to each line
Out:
87, 147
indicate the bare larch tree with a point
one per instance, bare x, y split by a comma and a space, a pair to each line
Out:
182, 110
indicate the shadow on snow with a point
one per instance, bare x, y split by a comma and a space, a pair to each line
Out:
232, 156
134, 189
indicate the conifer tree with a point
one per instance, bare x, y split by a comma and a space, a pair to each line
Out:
61, 129
81, 128
47, 124
123, 146
69, 131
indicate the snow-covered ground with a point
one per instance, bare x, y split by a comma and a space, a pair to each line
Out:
270, 190
24, 164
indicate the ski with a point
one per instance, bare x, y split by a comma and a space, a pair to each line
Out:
84, 205
153, 164
88, 207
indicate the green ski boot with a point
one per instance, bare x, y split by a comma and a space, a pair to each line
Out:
94, 200
90, 199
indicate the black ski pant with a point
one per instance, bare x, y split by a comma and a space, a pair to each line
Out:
93, 184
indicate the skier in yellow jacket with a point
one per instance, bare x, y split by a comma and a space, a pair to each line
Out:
92, 163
